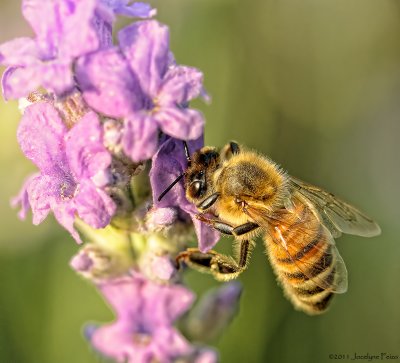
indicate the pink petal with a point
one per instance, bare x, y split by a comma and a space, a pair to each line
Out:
57, 76
123, 294
18, 82
108, 85
22, 199
84, 147
78, 36
19, 52
180, 85
146, 46
184, 124
41, 197
63, 27
40, 135
140, 139
93, 205
65, 215
207, 237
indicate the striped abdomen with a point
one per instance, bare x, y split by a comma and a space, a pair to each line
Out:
305, 260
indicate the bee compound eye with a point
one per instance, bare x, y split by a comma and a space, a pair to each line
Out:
196, 188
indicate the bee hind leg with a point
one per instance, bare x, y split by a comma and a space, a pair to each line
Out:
222, 267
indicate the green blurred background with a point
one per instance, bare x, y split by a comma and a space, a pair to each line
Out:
313, 84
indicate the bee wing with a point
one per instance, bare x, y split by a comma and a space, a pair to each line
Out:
335, 279
336, 215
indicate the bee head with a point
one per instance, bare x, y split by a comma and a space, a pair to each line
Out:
198, 175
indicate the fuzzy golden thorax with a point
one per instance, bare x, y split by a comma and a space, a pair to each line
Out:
252, 179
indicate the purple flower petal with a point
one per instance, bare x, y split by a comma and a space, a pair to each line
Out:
168, 163
146, 46
206, 356
18, 82
137, 9
207, 237
123, 294
78, 35
112, 340
146, 312
181, 84
140, 139
85, 151
93, 205
81, 262
63, 27
40, 135
57, 76
107, 83
162, 267
22, 199
65, 215
40, 193
20, 51
102, 24
170, 341
181, 123
161, 217
67, 162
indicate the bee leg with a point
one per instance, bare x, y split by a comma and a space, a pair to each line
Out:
216, 224
244, 255
223, 267
226, 228
245, 228
208, 202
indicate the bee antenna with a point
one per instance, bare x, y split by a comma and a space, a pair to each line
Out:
189, 160
185, 146
161, 196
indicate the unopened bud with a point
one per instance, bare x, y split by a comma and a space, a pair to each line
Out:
94, 263
214, 312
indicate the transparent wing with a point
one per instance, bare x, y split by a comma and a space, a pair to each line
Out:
318, 270
336, 215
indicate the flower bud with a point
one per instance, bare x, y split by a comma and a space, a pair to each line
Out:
95, 263
214, 312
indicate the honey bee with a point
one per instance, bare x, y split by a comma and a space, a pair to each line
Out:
244, 194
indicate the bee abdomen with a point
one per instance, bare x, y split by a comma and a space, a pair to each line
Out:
307, 267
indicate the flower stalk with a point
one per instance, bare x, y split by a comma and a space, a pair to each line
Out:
104, 122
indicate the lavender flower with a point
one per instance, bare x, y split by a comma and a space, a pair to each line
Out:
64, 31
143, 331
168, 163
127, 8
107, 109
69, 162
105, 16
139, 83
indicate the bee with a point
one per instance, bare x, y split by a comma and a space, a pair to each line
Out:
244, 194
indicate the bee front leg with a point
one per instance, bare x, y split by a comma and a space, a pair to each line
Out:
216, 224
227, 228
208, 202
223, 267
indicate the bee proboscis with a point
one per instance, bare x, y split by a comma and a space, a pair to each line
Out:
244, 194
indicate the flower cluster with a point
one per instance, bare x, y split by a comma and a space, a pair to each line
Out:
104, 121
